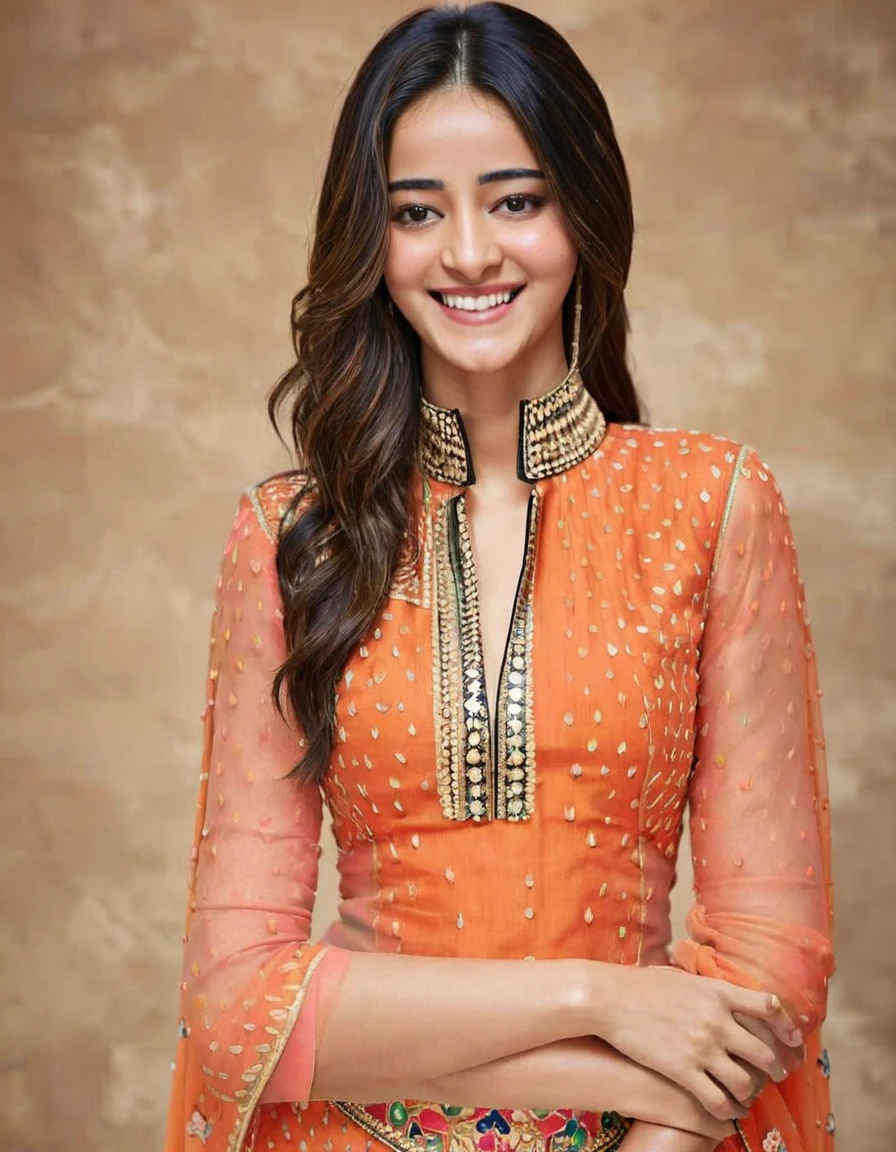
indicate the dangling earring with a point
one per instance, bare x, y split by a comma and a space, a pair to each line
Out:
577, 321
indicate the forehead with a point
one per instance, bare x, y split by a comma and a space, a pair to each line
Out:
456, 129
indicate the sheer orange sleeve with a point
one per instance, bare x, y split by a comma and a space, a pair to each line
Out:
758, 793
252, 980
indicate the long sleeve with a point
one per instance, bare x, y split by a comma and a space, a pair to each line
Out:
252, 981
758, 791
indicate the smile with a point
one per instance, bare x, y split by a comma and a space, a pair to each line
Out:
481, 307
477, 303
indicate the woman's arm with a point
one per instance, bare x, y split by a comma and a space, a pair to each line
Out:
759, 820
402, 1019
584, 1073
643, 1137
758, 793
292, 1020
257, 993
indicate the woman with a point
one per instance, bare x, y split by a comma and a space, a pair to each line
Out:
506, 633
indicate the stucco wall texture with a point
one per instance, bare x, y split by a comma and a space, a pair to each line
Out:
160, 159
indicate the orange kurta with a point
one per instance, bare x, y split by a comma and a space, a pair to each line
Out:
658, 656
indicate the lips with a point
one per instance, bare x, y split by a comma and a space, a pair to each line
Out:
477, 303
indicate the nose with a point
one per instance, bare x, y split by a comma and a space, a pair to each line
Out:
471, 250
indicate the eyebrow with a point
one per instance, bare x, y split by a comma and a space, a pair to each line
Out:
511, 174
416, 184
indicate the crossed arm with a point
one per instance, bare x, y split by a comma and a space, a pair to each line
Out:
682, 1061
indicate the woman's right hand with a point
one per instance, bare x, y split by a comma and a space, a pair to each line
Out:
684, 1027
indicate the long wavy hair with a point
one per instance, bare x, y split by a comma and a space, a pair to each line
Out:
354, 392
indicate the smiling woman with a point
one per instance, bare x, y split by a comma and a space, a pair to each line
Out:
507, 634
488, 227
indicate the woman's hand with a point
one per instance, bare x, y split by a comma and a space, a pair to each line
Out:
788, 1058
685, 1028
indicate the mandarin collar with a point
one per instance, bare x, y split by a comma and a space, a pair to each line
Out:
557, 430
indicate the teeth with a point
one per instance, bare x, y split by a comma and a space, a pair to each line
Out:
476, 303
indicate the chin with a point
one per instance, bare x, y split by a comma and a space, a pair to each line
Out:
482, 362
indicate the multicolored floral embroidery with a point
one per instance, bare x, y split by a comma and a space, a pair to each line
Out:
774, 1142
198, 1126
824, 1063
408, 1126
830, 1127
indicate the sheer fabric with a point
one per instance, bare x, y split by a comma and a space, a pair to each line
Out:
758, 799
758, 793
662, 628
251, 979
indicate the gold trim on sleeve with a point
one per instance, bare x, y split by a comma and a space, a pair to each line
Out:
245, 1107
736, 472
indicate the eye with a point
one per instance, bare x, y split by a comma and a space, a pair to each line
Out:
413, 214
518, 203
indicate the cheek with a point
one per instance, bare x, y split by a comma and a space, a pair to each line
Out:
547, 252
404, 266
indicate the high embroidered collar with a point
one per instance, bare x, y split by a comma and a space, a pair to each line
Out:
557, 430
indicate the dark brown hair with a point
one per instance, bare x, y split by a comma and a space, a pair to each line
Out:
355, 388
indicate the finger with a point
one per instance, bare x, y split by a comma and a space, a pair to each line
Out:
716, 1101
735, 1078
766, 1006
758, 1081
755, 1043
788, 1059
759, 1029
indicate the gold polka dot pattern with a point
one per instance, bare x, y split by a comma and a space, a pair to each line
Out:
659, 656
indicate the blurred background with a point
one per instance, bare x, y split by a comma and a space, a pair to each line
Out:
160, 161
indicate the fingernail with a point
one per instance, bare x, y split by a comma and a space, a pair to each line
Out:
796, 1036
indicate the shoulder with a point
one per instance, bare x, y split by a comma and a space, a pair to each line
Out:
697, 480
250, 549
701, 466
272, 503
687, 449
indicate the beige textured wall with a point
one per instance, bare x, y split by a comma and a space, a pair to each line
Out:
159, 162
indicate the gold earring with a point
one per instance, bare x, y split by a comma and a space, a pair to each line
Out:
577, 321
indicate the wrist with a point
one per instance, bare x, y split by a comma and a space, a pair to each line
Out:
570, 998
600, 996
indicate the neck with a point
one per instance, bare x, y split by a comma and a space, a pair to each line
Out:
555, 430
489, 403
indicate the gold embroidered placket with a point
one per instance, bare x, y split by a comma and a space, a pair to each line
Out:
515, 760
486, 765
475, 779
459, 702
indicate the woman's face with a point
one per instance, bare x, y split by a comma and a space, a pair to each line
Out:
479, 258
